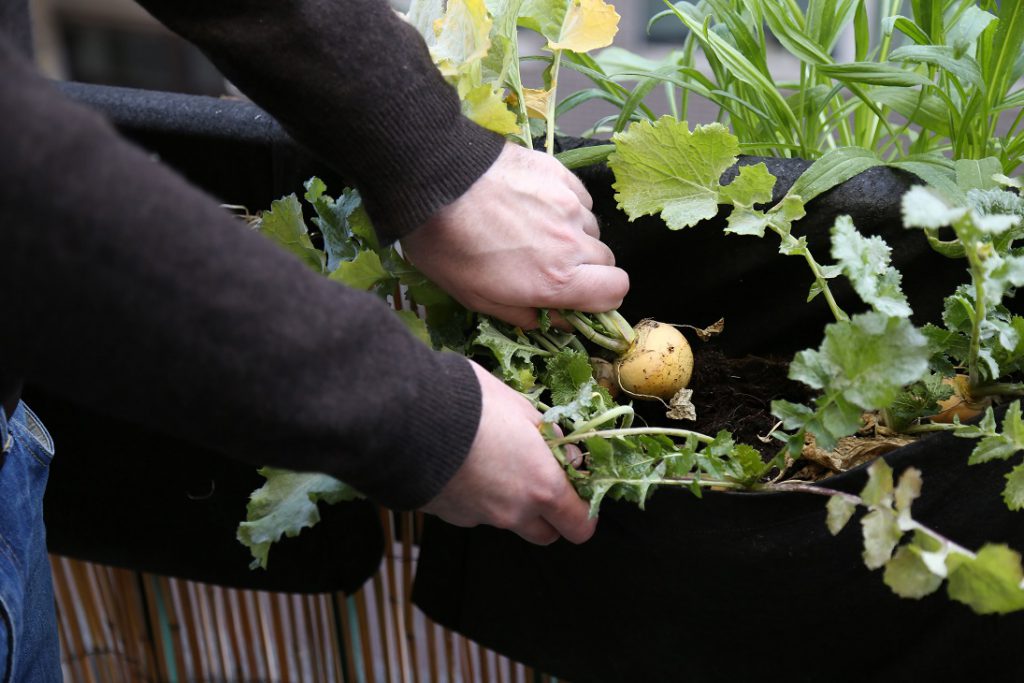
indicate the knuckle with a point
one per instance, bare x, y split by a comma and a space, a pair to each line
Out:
504, 519
558, 278
548, 495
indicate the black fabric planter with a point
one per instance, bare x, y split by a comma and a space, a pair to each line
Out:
122, 495
738, 587
733, 587
698, 275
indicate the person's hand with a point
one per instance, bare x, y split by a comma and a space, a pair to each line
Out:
510, 479
521, 238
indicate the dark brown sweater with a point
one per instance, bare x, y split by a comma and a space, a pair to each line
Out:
133, 293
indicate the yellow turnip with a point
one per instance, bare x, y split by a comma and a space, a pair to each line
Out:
657, 364
961, 404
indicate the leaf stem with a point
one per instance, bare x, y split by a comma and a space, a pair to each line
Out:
819, 279
604, 417
542, 341
577, 436
619, 346
973, 356
930, 427
682, 481
613, 320
556, 63
998, 389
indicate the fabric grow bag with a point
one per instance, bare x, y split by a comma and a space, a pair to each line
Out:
733, 587
122, 495
738, 587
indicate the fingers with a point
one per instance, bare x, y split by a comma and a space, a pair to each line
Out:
597, 253
576, 185
537, 531
590, 225
520, 316
570, 517
592, 288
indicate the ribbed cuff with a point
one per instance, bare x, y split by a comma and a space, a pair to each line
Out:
444, 427
428, 172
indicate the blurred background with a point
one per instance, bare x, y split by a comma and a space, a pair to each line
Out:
115, 42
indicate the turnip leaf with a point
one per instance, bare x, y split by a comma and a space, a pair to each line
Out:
283, 224
908, 575
989, 583
576, 25
363, 272
514, 356
840, 510
871, 357
866, 262
285, 505
663, 168
881, 534
1013, 494
565, 373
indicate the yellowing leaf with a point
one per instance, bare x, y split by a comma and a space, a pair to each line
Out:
588, 25
463, 36
488, 109
536, 101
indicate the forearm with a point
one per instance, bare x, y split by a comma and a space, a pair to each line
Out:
355, 84
135, 294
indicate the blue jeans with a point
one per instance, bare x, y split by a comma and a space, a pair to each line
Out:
29, 651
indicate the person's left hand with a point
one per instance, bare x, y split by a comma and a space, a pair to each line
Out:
521, 238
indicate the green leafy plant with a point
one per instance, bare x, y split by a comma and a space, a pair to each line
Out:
939, 83
874, 363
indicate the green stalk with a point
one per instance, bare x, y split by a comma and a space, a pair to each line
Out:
613, 320
542, 341
871, 126
980, 312
619, 346
604, 417
682, 481
556, 63
576, 437
930, 428
998, 389
819, 279
839, 313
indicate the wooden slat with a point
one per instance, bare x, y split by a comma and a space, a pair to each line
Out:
118, 625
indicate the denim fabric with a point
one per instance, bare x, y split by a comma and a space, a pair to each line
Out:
29, 651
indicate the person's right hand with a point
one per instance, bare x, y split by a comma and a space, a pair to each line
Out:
521, 238
510, 479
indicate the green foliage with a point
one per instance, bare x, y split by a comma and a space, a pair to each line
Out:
284, 224
862, 365
513, 351
665, 169
350, 255
919, 399
285, 505
866, 262
991, 581
994, 444
987, 242
932, 82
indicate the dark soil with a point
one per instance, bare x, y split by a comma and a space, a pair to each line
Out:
735, 394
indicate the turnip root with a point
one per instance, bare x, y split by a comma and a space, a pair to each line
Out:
604, 373
961, 404
657, 364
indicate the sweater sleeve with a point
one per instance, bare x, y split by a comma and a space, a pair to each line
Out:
127, 290
354, 83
